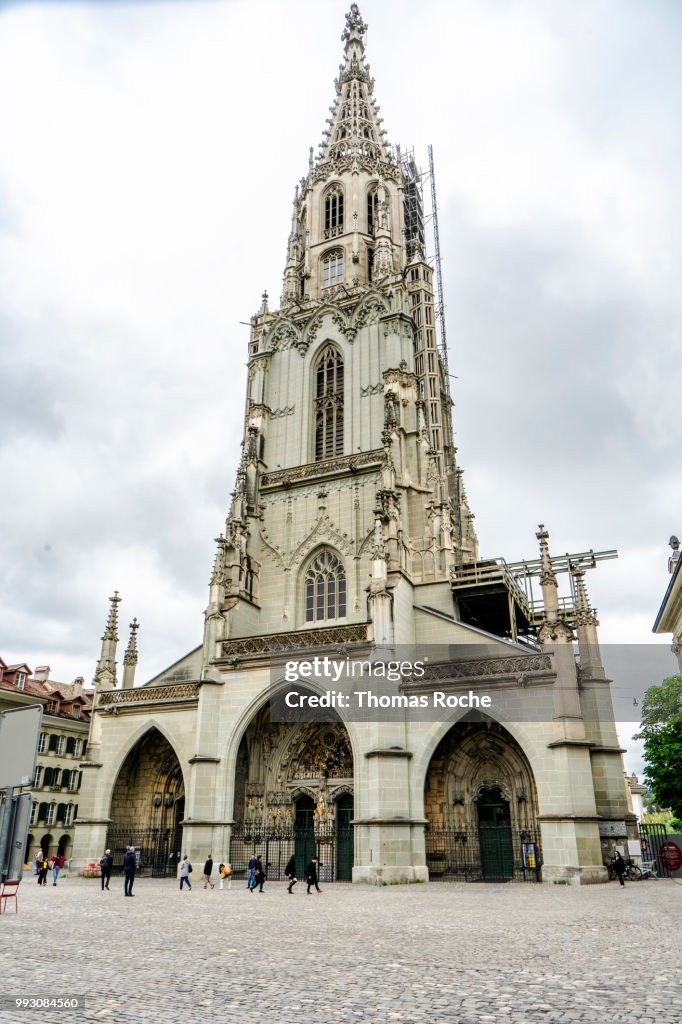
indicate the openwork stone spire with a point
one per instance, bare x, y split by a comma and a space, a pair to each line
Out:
130, 656
355, 125
111, 629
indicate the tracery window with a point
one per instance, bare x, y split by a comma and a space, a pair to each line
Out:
328, 404
325, 588
372, 206
333, 212
332, 268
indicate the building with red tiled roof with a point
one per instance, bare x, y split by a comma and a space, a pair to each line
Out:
61, 746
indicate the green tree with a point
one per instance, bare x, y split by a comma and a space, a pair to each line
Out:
662, 734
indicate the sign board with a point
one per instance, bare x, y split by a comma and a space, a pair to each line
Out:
634, 848
19, 732
671, 855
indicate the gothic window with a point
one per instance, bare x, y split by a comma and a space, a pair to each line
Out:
332, 268
325, 589
328, 404
370, 265
372, 205
333, 212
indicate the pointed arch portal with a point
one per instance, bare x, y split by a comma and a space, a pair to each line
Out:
480, 801
293, 796
147, 807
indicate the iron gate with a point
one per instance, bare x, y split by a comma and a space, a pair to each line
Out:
652, 837
333, 848
158, 850
493, 854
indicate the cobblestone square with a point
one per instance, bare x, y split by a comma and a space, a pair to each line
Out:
423, 954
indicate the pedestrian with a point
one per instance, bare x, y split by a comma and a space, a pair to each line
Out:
57, 863
225, 871
260, 876
290, 873
105, 865
619, 867
42, 874
40, 857
251, 871
208, 871
129, 868
185, 872
311, 875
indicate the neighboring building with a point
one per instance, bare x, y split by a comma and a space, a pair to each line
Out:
669, 618
61, 746
636, 793
350, 534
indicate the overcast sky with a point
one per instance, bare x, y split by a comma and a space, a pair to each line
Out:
148, 156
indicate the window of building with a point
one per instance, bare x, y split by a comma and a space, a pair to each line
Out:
76, 710
52, 706
34, 814
38, 775
51, 814
328, 404
42, 743
332, 268
21, 680
333, 212
61, 745
370, 265
69, 814
372, 207
78, 748
325, 588
74, 780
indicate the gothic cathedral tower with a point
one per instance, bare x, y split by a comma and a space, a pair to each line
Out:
347, 495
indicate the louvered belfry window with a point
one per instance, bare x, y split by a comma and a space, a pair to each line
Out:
328, 404
325, 588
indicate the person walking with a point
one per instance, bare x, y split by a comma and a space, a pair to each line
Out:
619, 867
105, 866
42, 874
251, 871
225, 872
260, 876
185, 871
290, 873
57, 863
208, 871
311, 876
129, 869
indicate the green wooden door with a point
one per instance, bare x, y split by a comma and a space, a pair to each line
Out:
305, 847
344, 838
495, 837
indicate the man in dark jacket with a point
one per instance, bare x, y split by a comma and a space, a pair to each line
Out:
208, 870
129, 865
105, 868
311, 876
290, 873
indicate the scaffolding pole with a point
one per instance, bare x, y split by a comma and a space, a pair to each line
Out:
440, 305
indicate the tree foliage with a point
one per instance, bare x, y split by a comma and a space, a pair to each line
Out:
662, 735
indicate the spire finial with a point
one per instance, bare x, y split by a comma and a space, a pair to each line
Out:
130, 656
355, 27
111, 630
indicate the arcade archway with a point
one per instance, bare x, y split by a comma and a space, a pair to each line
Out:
148, 805
480, 801
293, 796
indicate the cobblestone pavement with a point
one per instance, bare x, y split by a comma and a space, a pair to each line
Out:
424, 954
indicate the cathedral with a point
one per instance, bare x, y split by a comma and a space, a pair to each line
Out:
350, 535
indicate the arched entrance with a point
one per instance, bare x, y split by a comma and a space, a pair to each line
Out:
147, 806
64, 847
293, 795
481, 804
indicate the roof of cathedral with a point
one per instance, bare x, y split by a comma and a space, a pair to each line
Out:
355, 124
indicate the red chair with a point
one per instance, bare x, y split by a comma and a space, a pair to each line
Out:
9, 892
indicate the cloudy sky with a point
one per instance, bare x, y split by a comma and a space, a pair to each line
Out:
148, 155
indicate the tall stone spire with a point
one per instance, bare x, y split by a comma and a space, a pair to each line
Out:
130, 657
355, 125
586, 627
553, 628
105, 672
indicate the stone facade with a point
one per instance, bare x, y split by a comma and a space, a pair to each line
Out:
350, 532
